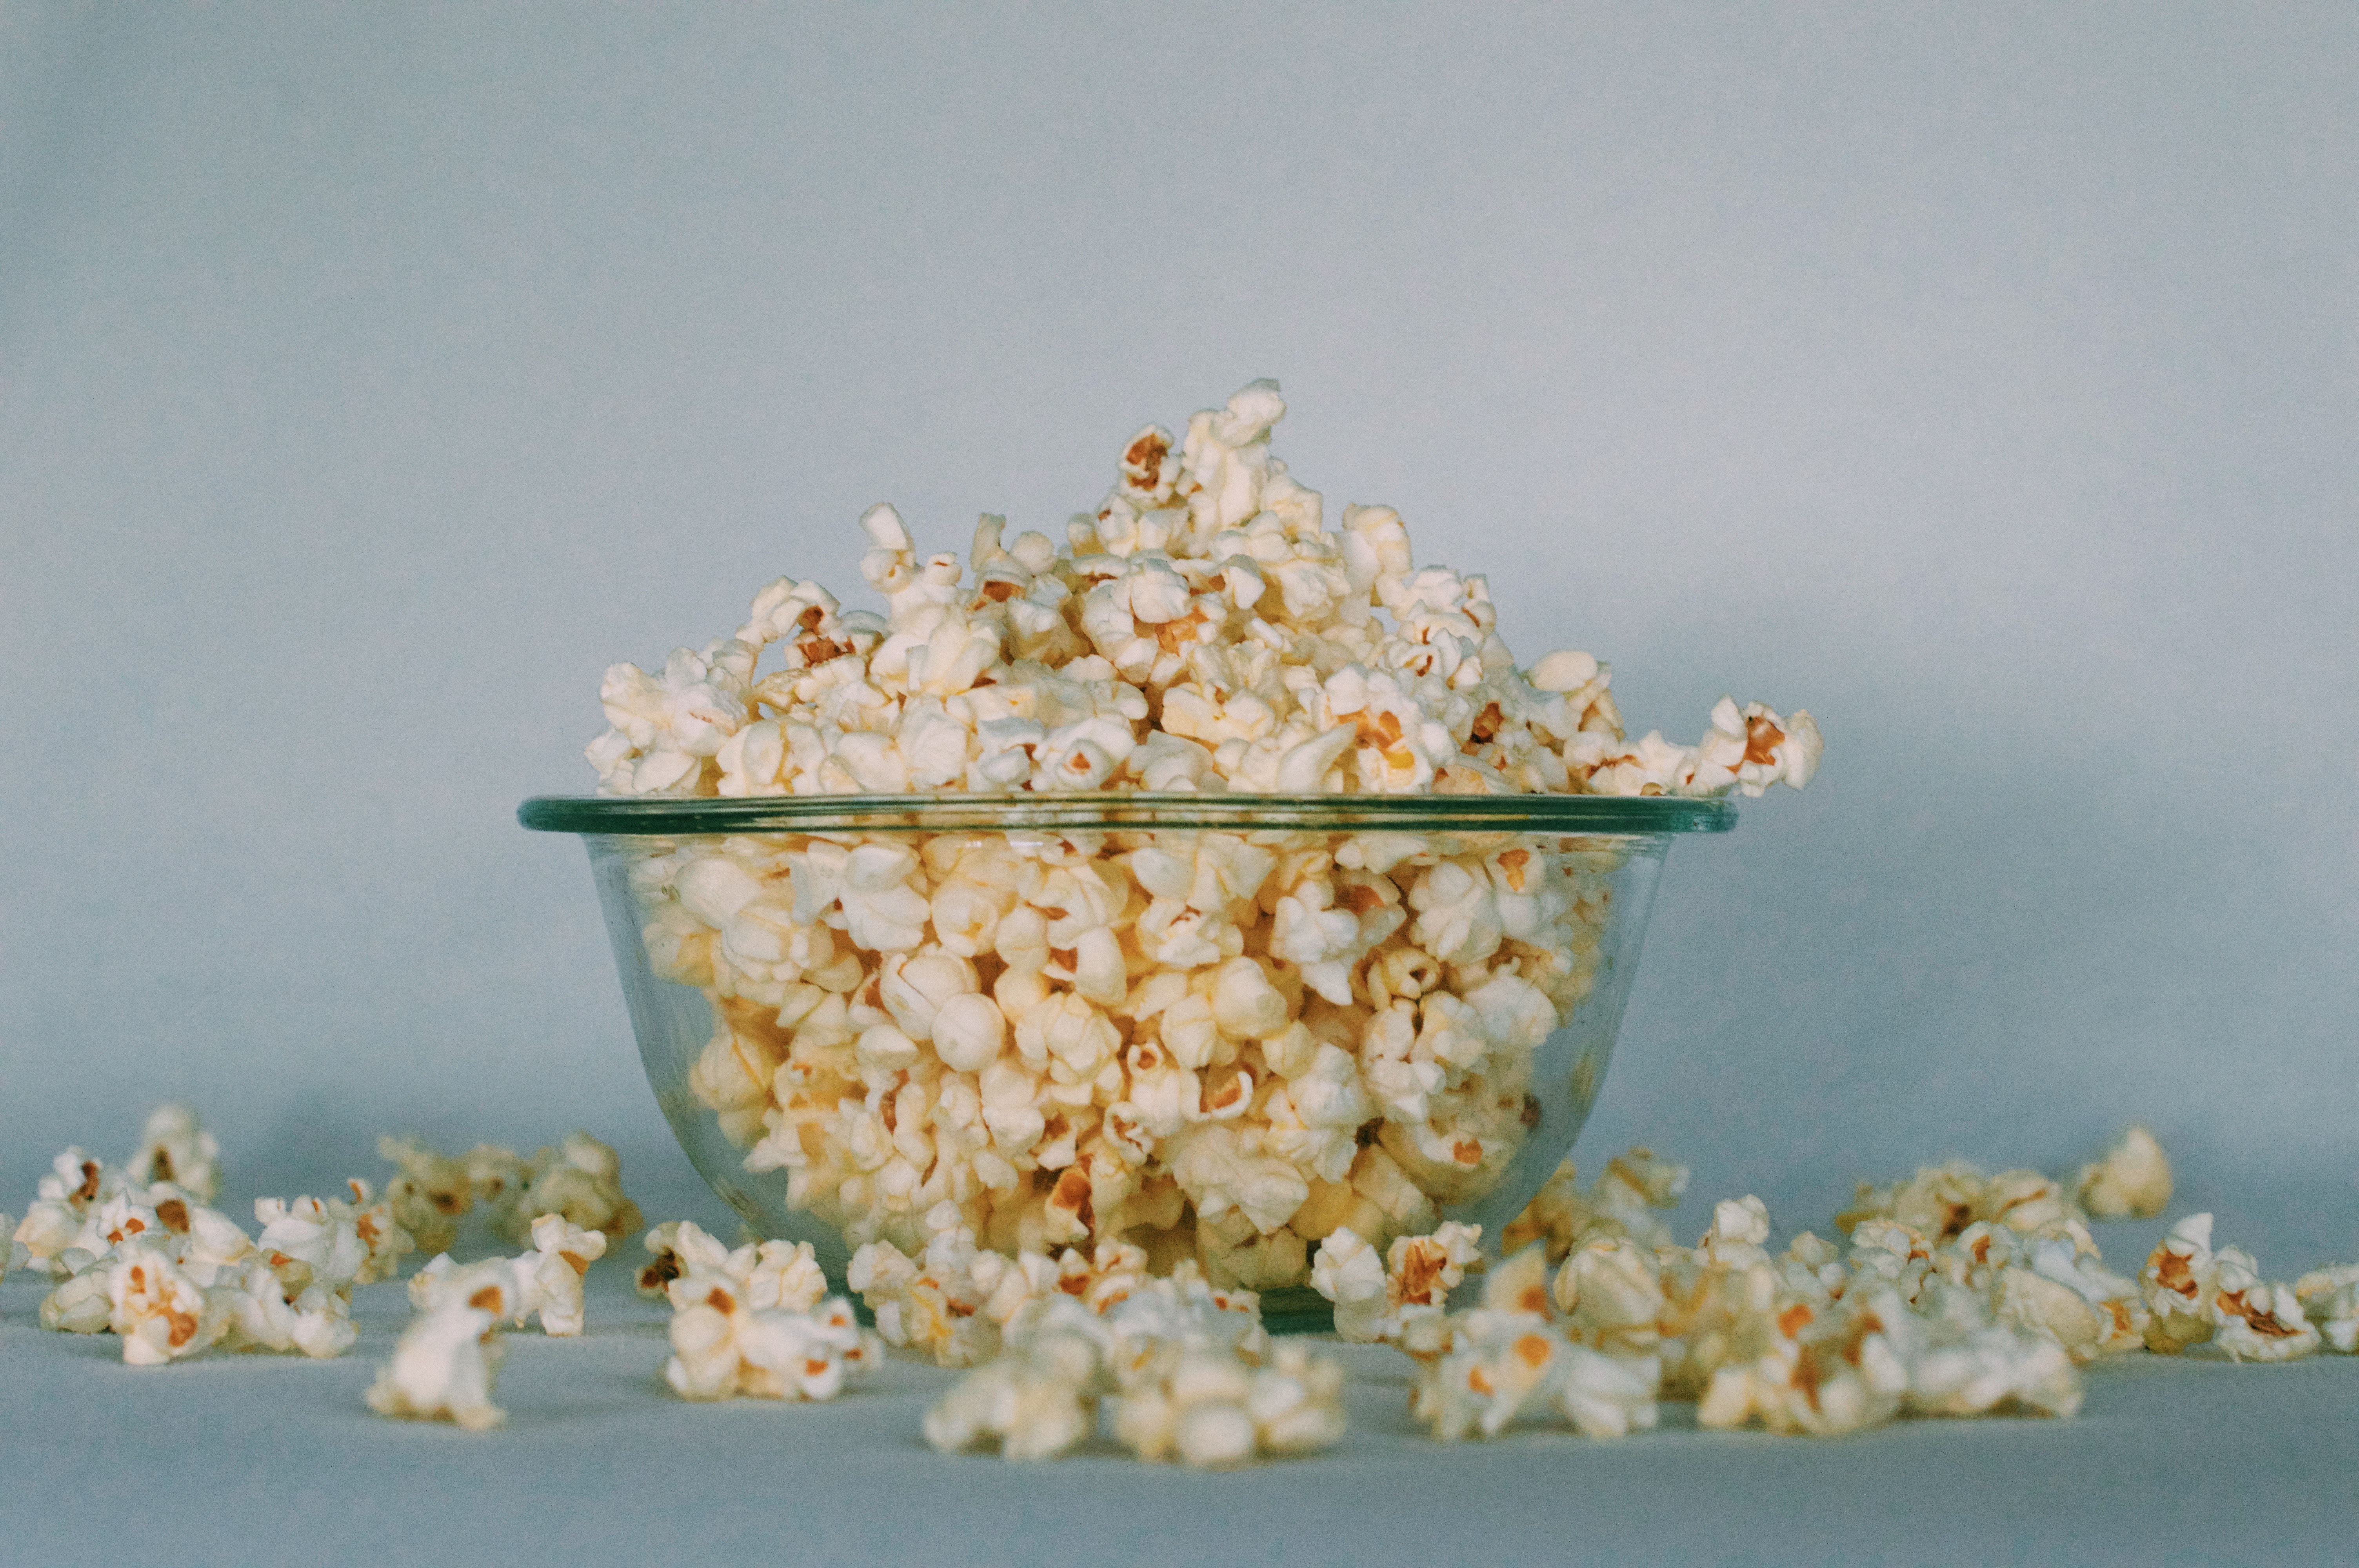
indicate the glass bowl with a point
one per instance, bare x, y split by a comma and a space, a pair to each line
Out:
1218, 1026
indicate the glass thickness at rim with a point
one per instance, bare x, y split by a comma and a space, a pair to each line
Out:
667, 817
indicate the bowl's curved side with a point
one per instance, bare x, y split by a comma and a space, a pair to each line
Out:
1607, 881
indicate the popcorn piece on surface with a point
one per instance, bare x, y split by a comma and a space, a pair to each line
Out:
430, 1191
1374, 1303
581, 1180
309, 1241
495, 1285
2129, 1181
161, 1315
1192, 1374
551, 1274
2330, 1298
75, 1187
1211, 1410
175, 1147
2257, 1321
444, 1369
2177, 1283
315, 1321
723, 1348
1036, 1400
1625, 1200
82, 1302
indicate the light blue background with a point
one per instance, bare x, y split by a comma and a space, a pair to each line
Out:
1982, 378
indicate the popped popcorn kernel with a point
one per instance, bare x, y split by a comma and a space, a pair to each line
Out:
2330, 1299
444, 1368
2129, 1181
175, 1147
723, 1348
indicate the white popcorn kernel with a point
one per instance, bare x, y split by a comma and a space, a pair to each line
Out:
307, 1241
2257, 1321
581, 1179
2129, 1181
442, 1370
969, 1033
1563, 671
562, 1253
82, 1302
786, 1276
1038, 1401
262, 1315
175, 1147
160, 1314
2330, 1299
2177, 1283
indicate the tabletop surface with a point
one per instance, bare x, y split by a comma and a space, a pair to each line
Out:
246, 1458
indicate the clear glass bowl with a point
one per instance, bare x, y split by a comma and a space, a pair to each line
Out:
1215, 1025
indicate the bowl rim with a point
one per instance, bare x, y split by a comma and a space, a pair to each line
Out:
676, 816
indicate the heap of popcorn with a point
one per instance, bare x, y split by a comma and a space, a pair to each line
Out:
1208, 1046
1955, 1293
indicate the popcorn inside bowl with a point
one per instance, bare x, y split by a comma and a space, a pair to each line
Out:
1210, 1035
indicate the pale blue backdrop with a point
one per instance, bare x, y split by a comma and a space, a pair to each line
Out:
1982, 378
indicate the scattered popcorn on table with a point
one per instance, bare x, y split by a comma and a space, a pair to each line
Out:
1376, 1302
315, 1321
2330, 1298
1191, 1374
2257, 1321
723, 1348
2129, 1181
444, 1369
581, 1180
175, 1147
430, 1192
552, 1272
2178, 1283
161, 1314
1222, 1046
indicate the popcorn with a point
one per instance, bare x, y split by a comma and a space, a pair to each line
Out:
2129, 1181
1144, 1037
175, 1147
1211, 1409
75, 1185
1965, 1366
429, 1192
581, 1180
2178, 1284
2257, 1321
444, 1369
315, 1321
83, 1304
311, 1239
161, 1315
1192, 1375
1480, 1370
1415, 1280
494, 1285
2330, 1299
1622, 1202
562, 1253
723, 1348
1039, 1400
